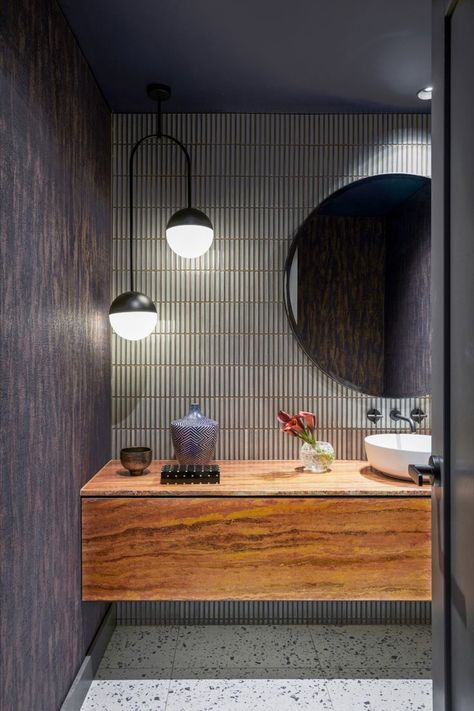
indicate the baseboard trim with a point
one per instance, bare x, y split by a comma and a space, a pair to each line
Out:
87, 671
274, 612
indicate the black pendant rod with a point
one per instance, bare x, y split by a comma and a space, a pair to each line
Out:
188, 162
159, 135
131, 225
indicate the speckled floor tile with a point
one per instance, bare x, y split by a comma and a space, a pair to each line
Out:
380, 695
141, 647
373, 651
245, 694
126, 696
133, 673
226, 646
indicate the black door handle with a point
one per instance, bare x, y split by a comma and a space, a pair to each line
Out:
432, 470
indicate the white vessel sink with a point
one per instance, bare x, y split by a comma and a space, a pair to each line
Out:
392, 453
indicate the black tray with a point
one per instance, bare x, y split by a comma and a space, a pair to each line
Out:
190, 474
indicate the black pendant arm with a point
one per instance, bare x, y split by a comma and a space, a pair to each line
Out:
137, 145
188, 162
130, 199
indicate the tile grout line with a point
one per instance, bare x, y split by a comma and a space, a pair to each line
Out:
314, 645
172, 666
326, 685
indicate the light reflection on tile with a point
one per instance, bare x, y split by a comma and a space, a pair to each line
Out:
244, 694
380, 694
126, 696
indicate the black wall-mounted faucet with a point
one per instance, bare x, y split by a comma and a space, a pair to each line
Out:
397, 416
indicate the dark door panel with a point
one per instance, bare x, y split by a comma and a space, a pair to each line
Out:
462, 354
453, 354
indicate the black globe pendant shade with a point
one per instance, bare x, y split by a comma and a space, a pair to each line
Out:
133, 315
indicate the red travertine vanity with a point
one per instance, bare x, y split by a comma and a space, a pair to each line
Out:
268, 531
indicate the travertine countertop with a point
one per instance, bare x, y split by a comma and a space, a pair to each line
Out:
255, 478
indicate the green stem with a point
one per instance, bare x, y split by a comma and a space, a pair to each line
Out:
307, 437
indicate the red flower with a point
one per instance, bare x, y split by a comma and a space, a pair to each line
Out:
294, 425
301, 425
309, 418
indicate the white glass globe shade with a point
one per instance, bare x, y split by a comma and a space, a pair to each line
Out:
133, 315
133, 325
189, 241
189, 233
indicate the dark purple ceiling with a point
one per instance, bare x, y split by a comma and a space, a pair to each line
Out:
258, 55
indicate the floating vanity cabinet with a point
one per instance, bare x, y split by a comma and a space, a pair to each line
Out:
268, 531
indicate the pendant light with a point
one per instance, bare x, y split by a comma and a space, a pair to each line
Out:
132, 314
189, 234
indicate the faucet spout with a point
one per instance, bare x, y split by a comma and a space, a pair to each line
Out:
397, 416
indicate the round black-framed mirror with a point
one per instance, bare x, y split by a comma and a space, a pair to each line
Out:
357, 285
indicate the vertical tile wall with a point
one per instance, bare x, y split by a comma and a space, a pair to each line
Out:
223, 338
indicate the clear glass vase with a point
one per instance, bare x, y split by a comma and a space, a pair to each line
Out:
317, 457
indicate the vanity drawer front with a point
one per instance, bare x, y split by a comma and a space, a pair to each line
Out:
256, 548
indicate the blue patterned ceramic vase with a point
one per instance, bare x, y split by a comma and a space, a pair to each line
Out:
194, 437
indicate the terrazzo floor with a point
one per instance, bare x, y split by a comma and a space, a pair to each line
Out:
264, 668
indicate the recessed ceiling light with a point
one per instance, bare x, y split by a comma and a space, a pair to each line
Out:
426, 93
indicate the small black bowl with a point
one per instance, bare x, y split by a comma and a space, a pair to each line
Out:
136, 459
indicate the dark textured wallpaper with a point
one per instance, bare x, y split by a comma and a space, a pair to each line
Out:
55, 353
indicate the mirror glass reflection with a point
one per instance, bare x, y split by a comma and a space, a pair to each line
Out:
358, 285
